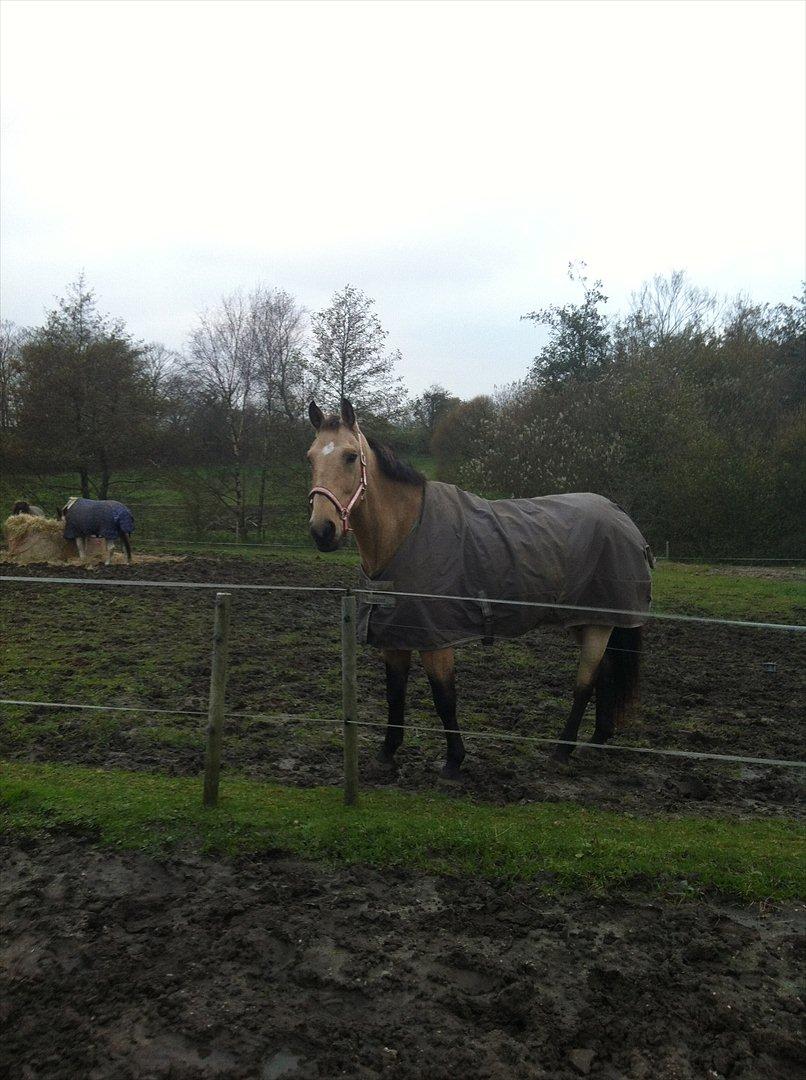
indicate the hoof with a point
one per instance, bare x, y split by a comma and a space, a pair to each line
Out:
450, 772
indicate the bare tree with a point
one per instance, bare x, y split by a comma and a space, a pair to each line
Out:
349, 357
278, 325
160, 365
12, 339
223, 366
671, 308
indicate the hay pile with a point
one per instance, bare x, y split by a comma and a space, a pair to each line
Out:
33, 539
39, 540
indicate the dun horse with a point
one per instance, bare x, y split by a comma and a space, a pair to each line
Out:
577, 560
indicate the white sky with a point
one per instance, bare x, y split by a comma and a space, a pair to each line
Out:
448, 158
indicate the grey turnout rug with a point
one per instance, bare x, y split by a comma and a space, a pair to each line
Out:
579, 550
96, 517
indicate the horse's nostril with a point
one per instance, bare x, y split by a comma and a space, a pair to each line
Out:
324, 534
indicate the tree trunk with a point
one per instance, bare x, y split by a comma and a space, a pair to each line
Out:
261, 502
240, 508
85, 482
264, 465
103, 491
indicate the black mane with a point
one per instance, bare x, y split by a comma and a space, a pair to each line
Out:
392, 466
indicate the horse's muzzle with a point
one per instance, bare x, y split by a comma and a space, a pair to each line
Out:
324, 536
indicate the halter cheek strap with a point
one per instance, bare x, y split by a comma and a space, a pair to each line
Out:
357, 495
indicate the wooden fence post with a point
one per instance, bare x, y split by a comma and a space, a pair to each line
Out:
349, 698
218, 687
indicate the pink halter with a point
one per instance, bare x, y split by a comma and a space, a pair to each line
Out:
357, 495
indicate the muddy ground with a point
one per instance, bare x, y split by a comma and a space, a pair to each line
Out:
705, 688
118, 966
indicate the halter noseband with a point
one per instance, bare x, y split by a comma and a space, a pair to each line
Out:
355, 498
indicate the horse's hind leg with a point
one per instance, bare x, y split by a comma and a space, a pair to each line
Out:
605, 702
398, 664
593, 641
441, 671
81, 544
109, 547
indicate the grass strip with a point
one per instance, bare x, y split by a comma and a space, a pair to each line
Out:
694, 589
563, 846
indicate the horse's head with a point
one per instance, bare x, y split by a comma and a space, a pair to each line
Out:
61, 511
338, 474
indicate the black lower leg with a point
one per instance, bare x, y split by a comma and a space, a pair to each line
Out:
397, 677
444, 691
569, 733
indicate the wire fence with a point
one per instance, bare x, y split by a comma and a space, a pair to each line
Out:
371, 594
503, 736
350, 720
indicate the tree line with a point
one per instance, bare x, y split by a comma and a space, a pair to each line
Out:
79, 394
688, 410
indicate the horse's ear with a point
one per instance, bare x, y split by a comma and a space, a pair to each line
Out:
316, 415
347, 413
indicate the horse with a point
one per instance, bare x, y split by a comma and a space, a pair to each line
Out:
576, 559
104, 518
23, 507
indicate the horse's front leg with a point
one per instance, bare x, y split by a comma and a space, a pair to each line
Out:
81, 544
593, 641
441, 670
398, 665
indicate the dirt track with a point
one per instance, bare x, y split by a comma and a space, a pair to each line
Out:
119, 966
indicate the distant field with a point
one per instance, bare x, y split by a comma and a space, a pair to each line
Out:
176, 506
164, 511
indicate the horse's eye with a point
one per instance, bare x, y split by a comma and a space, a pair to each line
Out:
351, 458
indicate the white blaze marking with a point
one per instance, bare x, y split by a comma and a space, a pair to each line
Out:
331, 446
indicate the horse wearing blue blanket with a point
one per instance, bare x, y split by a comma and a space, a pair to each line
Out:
104, 518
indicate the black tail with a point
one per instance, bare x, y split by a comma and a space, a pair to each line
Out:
617, 684
125, 538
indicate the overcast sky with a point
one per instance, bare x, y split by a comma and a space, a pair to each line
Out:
447, 158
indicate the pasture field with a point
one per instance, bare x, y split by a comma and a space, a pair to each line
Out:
632, 916
178, 504
705, 688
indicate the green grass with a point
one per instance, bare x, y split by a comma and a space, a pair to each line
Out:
162, 499
699, 590
166, 502
562, 846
